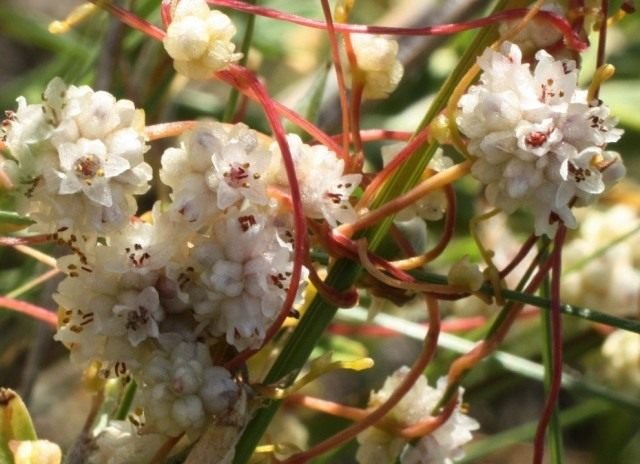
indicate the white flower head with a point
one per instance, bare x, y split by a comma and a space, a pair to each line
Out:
244, 275
199, 40
621, 352
604, 271
539, 145
80, 161
216, 167
376, 57
441, 446
181, 389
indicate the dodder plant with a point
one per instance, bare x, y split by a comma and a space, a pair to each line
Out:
200, 314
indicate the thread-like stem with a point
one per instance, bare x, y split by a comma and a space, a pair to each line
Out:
572, 39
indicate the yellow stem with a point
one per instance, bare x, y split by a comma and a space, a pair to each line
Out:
602, 74
33, 283
435, 182
40, 256
77, 15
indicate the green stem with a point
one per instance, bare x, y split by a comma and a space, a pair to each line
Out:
555, 431
127, 399
540, 302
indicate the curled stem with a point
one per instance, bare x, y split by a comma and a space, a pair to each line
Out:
130, 19
413, 286
447, 234
244, 79
496, 334
340, 299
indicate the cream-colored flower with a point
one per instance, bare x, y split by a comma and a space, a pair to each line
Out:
376, 57
199, 40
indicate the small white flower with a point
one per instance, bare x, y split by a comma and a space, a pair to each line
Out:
215, 167
142, 312
85, 166
325, 189
238, 174
199, 40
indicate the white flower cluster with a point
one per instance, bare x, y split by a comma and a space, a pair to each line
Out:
440, 447
602, 262
377, 60
186, 389
539, 144
204, 277
77, 159
199, 39
621, 353
168, 298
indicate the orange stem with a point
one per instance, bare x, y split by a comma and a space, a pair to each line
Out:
435, 182
31, 310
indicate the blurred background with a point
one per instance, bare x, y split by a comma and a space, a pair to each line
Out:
601, 420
